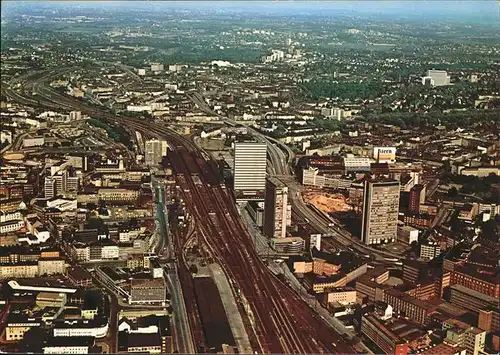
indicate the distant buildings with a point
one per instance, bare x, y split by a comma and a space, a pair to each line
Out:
154, 151
436, 78
277, 209
250, 162
148, 291
380, 211
275, 56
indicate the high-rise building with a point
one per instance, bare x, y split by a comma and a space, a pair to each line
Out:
250, 161
49, 187
417, 198
277, 210
59, 183
436, 78
380, 211
154, 151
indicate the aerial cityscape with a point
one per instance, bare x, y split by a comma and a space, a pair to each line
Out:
250, 177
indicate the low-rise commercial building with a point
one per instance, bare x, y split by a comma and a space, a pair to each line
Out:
384, 338
96, 328
118, 195
148, 291
288, 245
18, 324
345, 295
413, 308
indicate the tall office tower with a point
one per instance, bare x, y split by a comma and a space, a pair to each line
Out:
417, 198
380, 211
59, 183
49, 187
277, 210
436, 78
154, 151
250, 160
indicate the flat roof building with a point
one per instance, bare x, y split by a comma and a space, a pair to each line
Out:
250, 163
380, 212
277, 210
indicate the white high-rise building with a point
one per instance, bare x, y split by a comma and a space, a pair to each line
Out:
250, 160
154, 151
277, 210
436, 78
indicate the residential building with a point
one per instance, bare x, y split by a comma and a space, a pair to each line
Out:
277, 209
429, 250
380, 212
51, 266
75, 115
18, 270
11, 226
154, 151
250, 163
